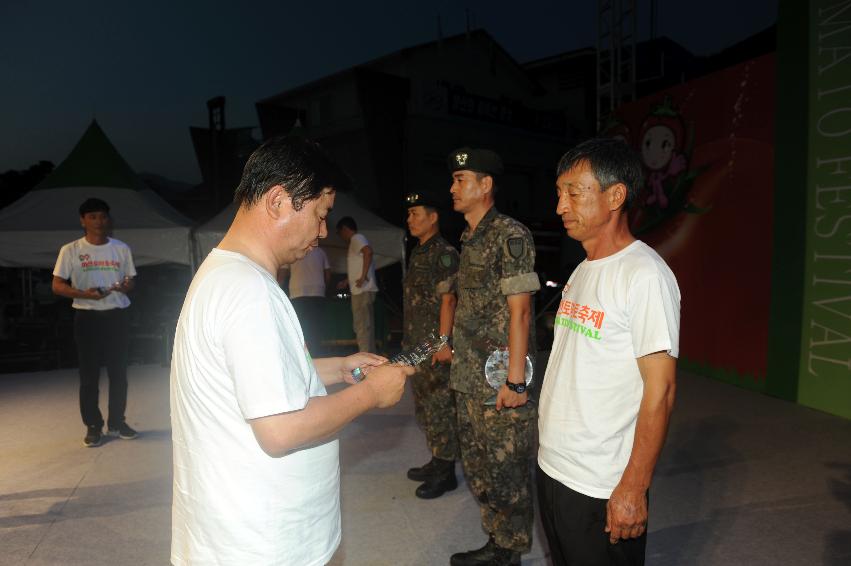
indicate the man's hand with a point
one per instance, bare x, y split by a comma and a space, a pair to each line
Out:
358, 360
93, 294
343, 284
360, 282
626, 513
124, 286
387, 384
507, 398
442, 356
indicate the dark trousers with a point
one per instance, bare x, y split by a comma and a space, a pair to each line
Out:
311, 316
496, 447
575, 527
102, 339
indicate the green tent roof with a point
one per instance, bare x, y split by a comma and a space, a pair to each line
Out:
94, 162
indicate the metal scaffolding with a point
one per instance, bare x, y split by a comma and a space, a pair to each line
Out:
616, 39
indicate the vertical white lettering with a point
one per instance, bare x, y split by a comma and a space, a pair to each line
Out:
819, 280
838, 9
828, 337
822, 36
821, 126
835, 226
812, 357
840, 170
822, 305
818, 257
837, 55
837, 194
832, 91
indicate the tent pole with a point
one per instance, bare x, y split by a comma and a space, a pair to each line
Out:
193, 252
404, 255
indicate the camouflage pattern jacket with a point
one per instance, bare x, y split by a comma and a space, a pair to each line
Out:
497, 260
431, 274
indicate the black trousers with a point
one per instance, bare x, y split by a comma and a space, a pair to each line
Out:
102, 338
311, 316
575, 527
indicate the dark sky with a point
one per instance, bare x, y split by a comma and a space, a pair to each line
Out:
145, 69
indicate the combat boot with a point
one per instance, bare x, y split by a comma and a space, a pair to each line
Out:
489, 555
442, 481
424, 472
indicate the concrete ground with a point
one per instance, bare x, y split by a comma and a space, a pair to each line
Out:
744, 480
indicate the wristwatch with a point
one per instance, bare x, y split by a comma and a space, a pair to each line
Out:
516, 387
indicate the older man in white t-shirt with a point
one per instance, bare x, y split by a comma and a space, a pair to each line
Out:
256, 459
609, 386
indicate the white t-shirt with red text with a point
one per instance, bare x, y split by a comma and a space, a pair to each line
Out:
88, 266
613, 310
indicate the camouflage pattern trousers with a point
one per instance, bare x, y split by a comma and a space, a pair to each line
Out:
434, 407
496, 450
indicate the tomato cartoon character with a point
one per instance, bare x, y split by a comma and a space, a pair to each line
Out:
662, 150
615, 128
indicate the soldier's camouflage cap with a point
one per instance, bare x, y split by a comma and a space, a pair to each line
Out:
424, 198
475, 159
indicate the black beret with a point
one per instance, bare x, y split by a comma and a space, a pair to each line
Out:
474, 159
424, 198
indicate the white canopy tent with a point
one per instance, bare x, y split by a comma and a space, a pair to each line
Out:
33, 228
387, 241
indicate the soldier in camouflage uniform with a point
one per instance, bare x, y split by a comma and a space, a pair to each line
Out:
496, 281
429, 307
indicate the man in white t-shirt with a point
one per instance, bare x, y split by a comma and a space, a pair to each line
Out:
609, 386
97, 272
361, 271
256, 461
307, 279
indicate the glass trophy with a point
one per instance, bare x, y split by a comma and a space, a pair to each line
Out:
496, 371
412, 357
114, 287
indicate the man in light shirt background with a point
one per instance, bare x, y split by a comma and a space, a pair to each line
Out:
307, 280
361, 281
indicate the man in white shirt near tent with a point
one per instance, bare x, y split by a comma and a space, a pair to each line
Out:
609, 386
361, 282
256, 461
97, 272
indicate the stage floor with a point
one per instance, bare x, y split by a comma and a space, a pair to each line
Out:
744, 480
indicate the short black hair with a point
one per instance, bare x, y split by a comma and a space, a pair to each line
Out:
93, 205
348, 222
480, 175
611, 161
301, 166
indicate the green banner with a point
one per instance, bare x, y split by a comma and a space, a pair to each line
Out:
825, 364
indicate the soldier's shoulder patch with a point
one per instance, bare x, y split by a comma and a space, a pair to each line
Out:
516, 247
446, 260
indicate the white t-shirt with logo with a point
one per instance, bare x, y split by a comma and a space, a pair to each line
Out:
307, 275
88, 265
354, 266
613, 310
239, 354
